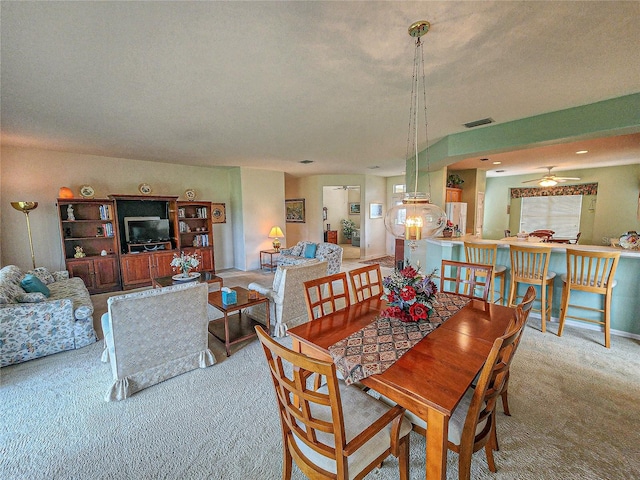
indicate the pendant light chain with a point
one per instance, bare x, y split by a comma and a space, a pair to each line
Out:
426, 122
416, 217
412, 137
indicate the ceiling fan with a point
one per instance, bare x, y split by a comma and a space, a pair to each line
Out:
549, 180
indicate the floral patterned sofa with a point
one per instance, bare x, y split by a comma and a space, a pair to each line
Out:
32, 325
324, 252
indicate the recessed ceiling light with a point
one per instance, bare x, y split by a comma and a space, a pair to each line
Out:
580, 152
306, 161
497, 163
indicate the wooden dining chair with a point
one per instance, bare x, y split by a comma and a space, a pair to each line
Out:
467, 279
544, 235
472, 423
326, 295
485, 254
591, 272
530, 266
366, 282
336, 432
525, 305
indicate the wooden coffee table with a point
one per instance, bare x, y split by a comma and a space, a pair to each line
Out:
205, 277
243, 327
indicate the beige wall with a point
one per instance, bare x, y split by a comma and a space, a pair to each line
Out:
262, 208
36, 175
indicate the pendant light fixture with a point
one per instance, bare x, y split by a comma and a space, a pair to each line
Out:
416, 218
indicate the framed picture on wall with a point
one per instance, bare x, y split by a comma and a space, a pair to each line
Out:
375, 210
294, 210
354, 209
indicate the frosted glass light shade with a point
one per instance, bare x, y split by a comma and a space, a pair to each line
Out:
415, 218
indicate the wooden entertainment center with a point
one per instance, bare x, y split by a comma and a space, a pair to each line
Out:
111, 262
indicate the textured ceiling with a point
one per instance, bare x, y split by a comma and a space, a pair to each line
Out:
268, 84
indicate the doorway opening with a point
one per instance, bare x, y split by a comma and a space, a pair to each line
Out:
342, 202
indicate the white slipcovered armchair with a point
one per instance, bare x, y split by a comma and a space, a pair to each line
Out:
154, 335
286, 296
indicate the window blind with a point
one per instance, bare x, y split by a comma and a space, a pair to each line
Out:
558, 213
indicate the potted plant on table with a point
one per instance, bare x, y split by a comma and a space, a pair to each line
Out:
348, 227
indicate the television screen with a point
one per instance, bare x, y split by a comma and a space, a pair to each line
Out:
144, 231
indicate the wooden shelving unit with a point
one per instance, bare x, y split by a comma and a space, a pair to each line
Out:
93, 228
195, 232
97, 225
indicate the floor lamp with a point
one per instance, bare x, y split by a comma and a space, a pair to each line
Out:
26, 207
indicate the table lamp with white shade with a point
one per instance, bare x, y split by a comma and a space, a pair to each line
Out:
275, 233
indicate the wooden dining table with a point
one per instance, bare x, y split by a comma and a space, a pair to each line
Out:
431, 378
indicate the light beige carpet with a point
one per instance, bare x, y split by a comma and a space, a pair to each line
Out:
575, 407
575, 410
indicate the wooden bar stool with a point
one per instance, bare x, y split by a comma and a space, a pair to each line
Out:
530, 265
485, 254
590, 272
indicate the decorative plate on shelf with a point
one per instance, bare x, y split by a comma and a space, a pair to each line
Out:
630, 241
181, 278
144, 188
190, 194
87, 191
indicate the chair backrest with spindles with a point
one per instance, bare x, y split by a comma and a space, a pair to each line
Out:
467, 279
326, 295
366, 282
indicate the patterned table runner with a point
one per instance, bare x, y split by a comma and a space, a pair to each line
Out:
377, 346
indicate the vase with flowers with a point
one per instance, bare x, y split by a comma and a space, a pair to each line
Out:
448, 230
184, 263
410, 294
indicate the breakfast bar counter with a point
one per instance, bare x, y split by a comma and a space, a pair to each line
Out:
625, 318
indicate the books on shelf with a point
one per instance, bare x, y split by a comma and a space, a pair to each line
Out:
107, 229
106, 212
201, 240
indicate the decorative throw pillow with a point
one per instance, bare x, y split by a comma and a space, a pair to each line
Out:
43, 274
32, 284
297, 250
310, 250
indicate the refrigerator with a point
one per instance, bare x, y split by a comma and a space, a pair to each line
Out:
457, 214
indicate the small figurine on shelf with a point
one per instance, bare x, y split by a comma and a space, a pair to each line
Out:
79, 252
70, 216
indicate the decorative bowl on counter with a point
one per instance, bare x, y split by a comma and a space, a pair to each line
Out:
630, 240
522, 236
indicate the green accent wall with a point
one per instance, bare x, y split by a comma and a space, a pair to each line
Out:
616, 116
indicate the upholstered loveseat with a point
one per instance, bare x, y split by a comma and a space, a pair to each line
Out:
305, 251
33, 325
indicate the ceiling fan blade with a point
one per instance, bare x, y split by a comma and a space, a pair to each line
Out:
531, 181
564, 179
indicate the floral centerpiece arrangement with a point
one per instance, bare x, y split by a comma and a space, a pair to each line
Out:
184, 263
410, 294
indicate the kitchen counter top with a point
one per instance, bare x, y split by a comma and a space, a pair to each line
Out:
533, 242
